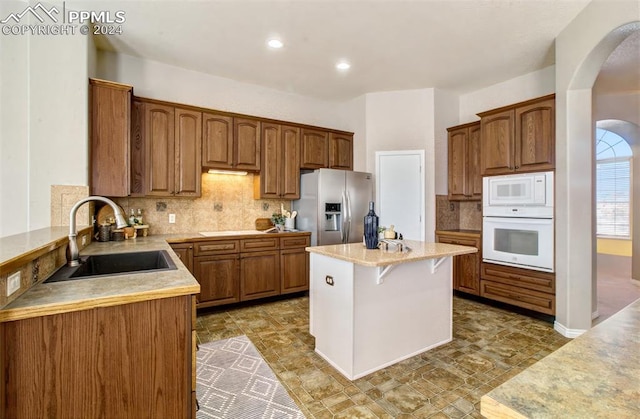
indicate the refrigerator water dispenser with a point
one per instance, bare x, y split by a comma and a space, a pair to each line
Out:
332, 216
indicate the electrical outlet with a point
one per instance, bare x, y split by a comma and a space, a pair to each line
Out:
84, 239
172, 218
13, 283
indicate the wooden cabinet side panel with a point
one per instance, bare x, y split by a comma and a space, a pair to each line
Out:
247, 144
110, 110
535, 136
160, 149
126, 361
188, 146
217, 141
185, 253
457, 172
315, 149
497, 131
290, 173
474, 151
137, 169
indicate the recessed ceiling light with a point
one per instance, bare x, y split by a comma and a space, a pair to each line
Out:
275, 43
343, 65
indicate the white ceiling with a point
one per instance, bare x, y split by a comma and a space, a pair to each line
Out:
460, 45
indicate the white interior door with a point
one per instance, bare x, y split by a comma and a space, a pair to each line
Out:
400, 192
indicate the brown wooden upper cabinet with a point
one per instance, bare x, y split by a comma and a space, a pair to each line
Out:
519, 138
341, 151
315, 149
280, 163
172, 138
217, 141
464, 178
230, 143
110, 138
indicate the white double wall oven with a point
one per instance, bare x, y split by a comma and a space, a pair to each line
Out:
518, 223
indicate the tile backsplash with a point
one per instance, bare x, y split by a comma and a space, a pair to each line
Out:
451, 215
226, 204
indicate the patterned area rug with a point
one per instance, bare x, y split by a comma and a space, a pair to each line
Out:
233, 381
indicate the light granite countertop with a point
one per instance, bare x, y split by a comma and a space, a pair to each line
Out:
597, 375
357, 253
65, 296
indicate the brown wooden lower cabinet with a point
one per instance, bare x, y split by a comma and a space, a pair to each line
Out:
185, 253
466, 268
524, 288
127, 361
231, 270
259, 274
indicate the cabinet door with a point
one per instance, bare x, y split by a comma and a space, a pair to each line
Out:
340, 151
315, 149
535, 137
474, 189
160, 149
110, 110
457, 172
217, 141
218, 277
271, 165
247, 144
497, 131
188, 146
466, 268
259, 274
290, 163
294, 270
185, 253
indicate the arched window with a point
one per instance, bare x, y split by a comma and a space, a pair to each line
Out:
613, 184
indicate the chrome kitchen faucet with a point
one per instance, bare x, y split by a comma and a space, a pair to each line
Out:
74, 254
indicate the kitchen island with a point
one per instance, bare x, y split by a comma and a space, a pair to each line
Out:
597, 375
372, 308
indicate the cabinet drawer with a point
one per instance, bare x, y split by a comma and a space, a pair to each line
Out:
462, 241
297, 241
532, 300
217, 247
533, 280
257, 245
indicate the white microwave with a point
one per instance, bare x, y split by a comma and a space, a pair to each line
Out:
520, 195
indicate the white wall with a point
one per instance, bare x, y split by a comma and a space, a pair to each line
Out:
446, 108
156, 80
404, 120
525, 87
14, 129
581, 49
44, 123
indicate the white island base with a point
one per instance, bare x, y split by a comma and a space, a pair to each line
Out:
365, 318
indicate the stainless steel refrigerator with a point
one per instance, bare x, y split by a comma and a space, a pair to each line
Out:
333, 204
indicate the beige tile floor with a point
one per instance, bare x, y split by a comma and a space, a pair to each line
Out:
490, 346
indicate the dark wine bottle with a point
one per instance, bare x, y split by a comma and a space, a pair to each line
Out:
371, 228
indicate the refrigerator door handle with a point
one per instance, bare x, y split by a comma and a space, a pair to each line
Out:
343, 212
348, 233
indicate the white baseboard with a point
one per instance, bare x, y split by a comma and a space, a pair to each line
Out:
566, 332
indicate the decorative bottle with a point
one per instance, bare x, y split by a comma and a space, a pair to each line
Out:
371, 228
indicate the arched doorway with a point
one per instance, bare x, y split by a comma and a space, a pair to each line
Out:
581, 49
613, 208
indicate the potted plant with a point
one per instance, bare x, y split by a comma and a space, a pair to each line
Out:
278, 220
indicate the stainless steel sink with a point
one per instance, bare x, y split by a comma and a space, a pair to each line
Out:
115, 264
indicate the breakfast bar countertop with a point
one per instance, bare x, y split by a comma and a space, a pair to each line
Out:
357, 253
595, 375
